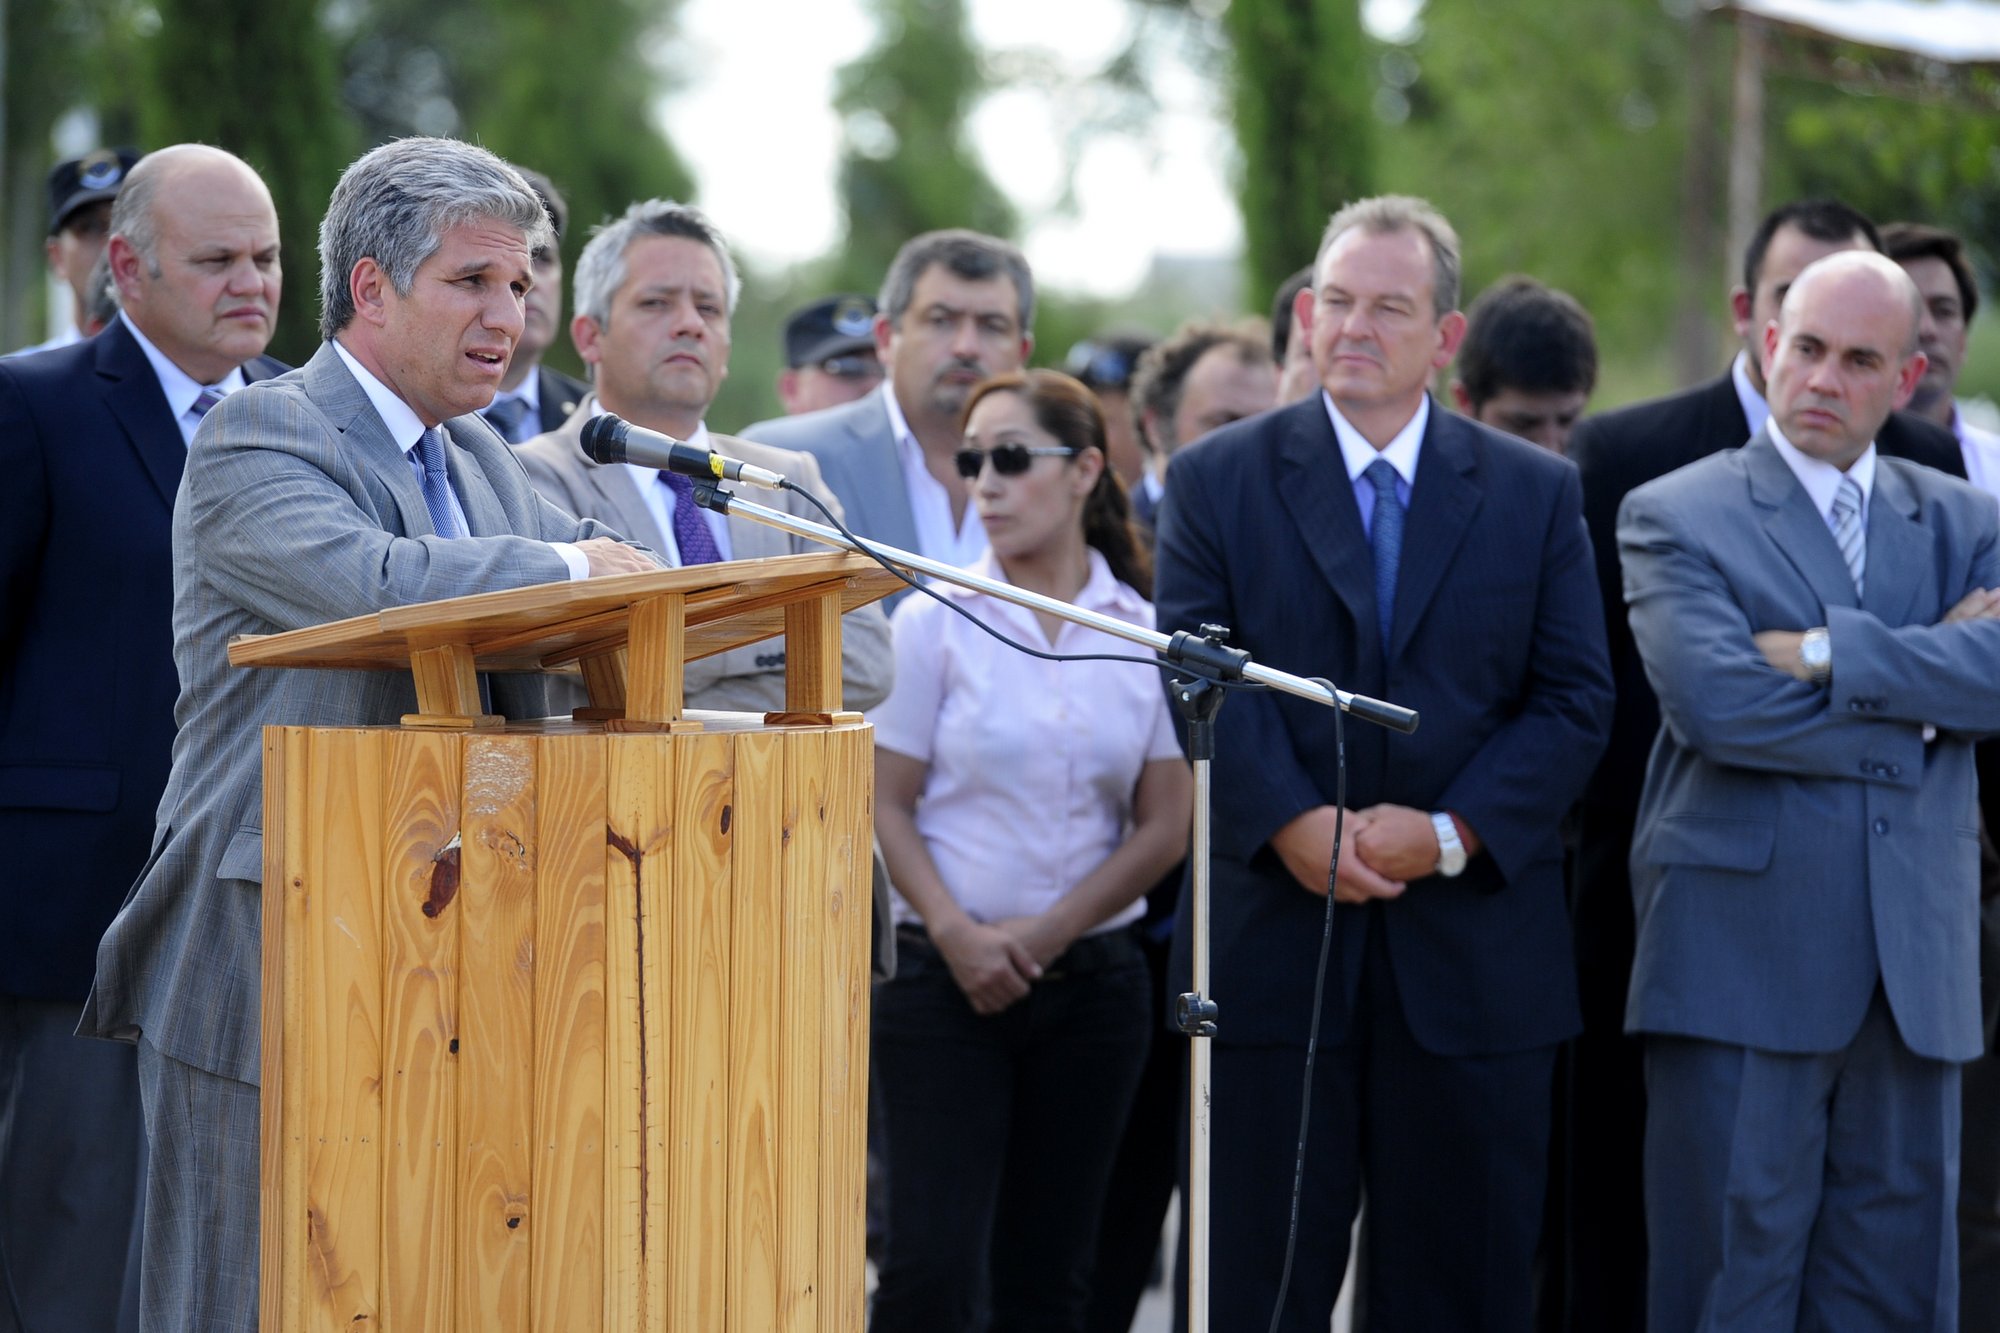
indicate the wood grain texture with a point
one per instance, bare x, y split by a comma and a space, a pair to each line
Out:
756, 1016
447, 683
658, 650
697, 1175
812, 656
343, 1007
639, 808
496, 1033
568, 1288
420, 967
287, 756
843, 1126
802, 965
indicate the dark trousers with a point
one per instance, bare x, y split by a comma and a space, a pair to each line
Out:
1004, 1128
1147, 1167
1452, 1152
1979, 1156
71, 1163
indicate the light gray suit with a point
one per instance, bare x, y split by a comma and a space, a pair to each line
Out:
296, 508
1805, 877
750, 678
856, 451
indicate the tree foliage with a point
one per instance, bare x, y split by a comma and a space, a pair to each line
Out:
281, 115
906, 165
1301, 92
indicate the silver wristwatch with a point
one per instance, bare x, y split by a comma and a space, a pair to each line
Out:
1451, 852
1816, 655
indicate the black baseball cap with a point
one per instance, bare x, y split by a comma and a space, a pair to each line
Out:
86, 180
828, 328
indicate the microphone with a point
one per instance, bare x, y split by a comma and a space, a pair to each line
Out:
612, 439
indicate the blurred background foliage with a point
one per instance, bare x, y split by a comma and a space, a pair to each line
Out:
1582, 141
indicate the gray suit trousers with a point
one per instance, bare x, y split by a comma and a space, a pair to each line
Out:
201, 1188
1808, 1192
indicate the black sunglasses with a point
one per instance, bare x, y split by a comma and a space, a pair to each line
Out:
1009, 460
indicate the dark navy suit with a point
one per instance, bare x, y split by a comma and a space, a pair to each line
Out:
1442, 1008
90, 459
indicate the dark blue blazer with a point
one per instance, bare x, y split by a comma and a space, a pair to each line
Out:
89, 462
1498, 642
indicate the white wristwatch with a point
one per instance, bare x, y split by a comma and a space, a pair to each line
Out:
1451, 852
1816, 655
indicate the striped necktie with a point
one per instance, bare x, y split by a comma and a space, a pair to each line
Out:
203, 401
1845, 519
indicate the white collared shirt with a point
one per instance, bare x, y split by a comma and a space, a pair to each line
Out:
930, 502
1756, 410
1401, 453
180, 387
406, 428
1821, 479
661, 502
1031, 765
1981, 449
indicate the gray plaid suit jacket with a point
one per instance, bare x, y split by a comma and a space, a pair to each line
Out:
296, 508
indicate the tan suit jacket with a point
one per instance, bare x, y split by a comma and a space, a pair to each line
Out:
746, 679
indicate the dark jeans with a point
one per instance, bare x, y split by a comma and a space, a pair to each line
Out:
1004, 1128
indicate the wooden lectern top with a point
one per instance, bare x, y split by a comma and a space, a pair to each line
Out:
630, 634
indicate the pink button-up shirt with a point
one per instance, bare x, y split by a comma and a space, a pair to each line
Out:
1032, 763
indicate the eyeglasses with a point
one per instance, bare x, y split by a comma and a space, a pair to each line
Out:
1009, 460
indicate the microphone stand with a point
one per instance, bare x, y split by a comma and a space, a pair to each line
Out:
1197, 699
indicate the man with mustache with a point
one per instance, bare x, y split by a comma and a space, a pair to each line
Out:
956, 307
93, 437
1817, 619
362, 481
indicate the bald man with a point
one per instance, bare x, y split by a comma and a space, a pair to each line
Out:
1816, 620
92, 441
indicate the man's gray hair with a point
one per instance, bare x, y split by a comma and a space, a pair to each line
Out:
1389, 213
600, 269
971, 255
395, 204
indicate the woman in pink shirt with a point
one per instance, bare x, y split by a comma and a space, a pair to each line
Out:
1023, 807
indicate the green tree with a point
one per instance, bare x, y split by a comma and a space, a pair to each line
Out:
257, 77
906, 166
1301, 90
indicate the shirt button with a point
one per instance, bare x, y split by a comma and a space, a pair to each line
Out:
1882, 826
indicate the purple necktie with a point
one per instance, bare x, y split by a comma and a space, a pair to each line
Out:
691, 532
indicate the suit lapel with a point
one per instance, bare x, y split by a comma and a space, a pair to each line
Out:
1443, 500
1898, 568
132, 392
363, 436
1795, 527
1313, 486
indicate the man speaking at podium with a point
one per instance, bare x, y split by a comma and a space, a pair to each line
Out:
356, 483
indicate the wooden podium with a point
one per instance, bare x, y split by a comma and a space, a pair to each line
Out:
565, 1022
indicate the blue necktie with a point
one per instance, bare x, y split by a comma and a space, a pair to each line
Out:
437, 486
508, 416
691, 531
1385, 535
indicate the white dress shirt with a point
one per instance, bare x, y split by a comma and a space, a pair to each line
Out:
1401, 453
1756, 410
1822, 479
1031, 764
930, 503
